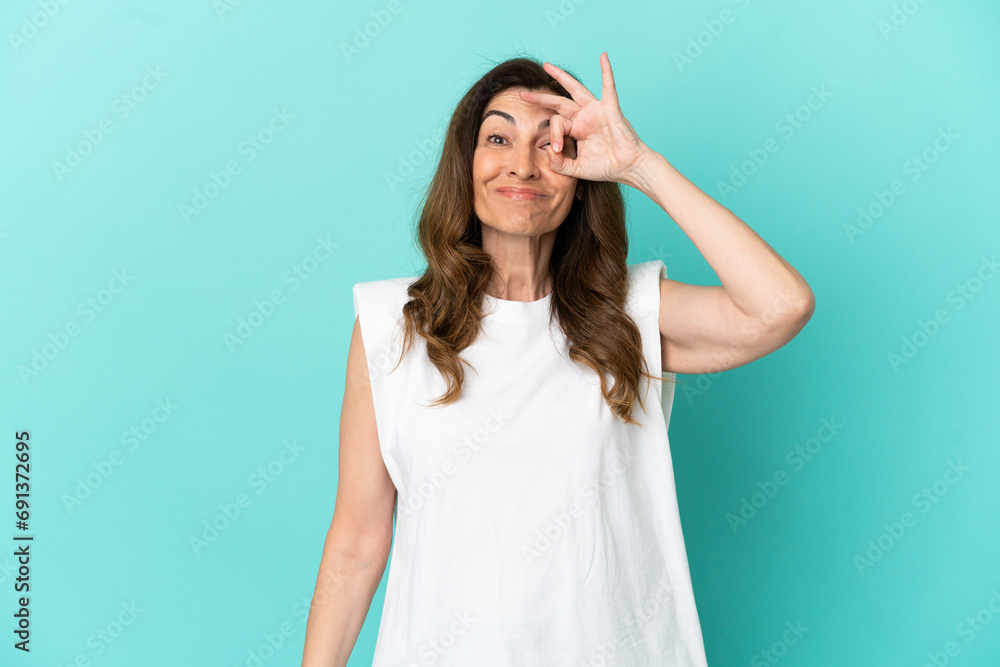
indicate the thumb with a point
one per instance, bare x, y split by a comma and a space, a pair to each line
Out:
559, 162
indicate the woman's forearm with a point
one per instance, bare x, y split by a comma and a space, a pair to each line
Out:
751, 272
344, 590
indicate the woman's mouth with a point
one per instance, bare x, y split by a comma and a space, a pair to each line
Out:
523, 195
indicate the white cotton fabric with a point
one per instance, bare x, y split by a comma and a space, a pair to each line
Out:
532, 526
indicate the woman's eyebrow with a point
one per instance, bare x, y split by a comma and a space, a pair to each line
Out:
510, 119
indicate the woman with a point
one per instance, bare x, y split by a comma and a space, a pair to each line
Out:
536, 518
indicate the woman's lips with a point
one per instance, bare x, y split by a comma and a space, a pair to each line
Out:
521, 195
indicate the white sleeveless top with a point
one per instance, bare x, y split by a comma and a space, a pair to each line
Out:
532, 526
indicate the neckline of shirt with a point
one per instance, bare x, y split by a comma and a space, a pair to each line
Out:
517, 311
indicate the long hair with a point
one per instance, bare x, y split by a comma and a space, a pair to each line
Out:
588, 263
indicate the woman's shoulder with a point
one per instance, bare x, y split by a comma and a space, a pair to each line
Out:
644, 285
386, 295
387, 283
644, 269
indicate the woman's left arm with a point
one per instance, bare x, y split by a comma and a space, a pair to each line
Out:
763, 301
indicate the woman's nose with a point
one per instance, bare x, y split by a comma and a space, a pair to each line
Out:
524, 160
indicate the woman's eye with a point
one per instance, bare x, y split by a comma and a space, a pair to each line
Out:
489, 140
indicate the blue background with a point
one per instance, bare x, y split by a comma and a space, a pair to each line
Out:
347, 138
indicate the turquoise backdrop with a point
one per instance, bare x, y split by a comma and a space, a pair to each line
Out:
189, 191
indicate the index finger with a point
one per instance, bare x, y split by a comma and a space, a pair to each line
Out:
574, 87
564, 106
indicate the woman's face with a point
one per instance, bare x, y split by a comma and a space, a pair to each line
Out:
511, 153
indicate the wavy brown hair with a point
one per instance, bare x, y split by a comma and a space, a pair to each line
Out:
588, 263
